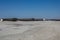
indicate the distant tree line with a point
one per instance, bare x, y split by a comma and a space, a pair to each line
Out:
10, 19
54, 19
28, 19
23, 19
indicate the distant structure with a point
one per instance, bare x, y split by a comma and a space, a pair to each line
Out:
44, 19
1, 20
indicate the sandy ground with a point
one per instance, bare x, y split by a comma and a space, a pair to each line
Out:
33, 30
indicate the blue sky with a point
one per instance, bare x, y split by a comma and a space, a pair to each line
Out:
30, 8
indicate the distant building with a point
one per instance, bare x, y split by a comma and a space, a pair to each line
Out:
1, 20
44, 19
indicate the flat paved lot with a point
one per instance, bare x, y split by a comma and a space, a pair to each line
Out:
31, 30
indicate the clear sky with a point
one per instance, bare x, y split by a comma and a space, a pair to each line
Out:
30, 8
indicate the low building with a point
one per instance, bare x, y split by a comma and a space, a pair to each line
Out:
1, 20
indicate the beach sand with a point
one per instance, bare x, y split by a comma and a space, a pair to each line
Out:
30, 30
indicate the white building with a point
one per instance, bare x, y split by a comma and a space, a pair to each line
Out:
43, 19
1, 20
